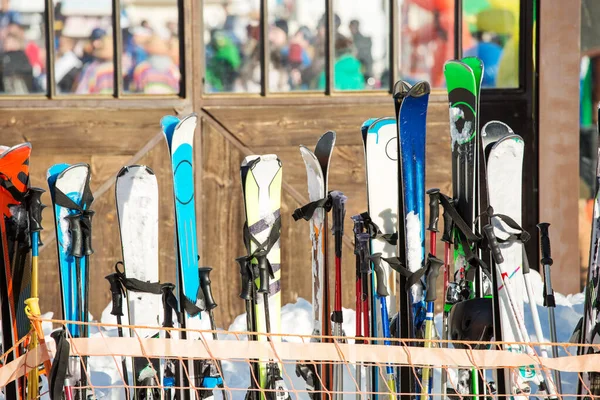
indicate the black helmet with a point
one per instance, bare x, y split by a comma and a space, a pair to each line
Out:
471, 320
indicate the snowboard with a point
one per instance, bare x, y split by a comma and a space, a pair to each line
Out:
136, 195
14, 282
261, 181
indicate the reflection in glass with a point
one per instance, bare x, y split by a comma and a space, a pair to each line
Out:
150, 59
426, 39
83, 62
297, 45
232, 46
493, 27
22, 38
362, 30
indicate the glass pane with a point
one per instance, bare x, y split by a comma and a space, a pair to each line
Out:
493, 36
22, 45
232, 46
150, 59
362, 32
426, 42
83, 62
297, 45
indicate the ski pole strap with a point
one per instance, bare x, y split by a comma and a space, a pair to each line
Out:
521, 236
265, 269
136, 285
60, 364
457, 220
381, 286
375, 232
306, 211
412, 278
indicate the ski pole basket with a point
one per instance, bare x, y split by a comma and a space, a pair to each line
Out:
224, 367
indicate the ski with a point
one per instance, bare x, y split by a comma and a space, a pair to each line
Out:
411, 127
504, 161
71, 199
261, 183
317, 167
14, 279
463, 83
380, 141
136, 195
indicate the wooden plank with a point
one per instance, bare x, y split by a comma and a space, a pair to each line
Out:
85, 131
559, 137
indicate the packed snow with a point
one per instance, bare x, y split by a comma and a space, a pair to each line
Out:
296, 320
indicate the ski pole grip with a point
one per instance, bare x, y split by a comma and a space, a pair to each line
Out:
86, 231
488, 230
76, 235
169, 304
116, 291
434, 209
246, 287
209, 300
448, 225
545, 243
362, 250
339, 212
35, 208
382, 290
433, 271
263, 274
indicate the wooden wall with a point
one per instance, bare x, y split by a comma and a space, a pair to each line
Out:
108, 139
231, 133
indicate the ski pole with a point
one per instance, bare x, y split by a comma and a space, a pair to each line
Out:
447, 239
210, 305
434, 216
432, 272
35, 207
549, 300
339, 212
169, 369
362, 241
358, 229
77, 252
519, 319
383, 293
534, 314
117, 293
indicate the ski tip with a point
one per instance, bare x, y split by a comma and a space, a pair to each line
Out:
249, 160
380, 123
420, 89
367, 123
53, 171
168, 123
400, 89
134, 168
326, 141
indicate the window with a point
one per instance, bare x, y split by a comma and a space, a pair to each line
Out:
82, 48
372, 44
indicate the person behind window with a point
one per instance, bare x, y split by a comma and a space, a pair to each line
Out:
346, 69
97, 76
158, 74
15, 69
363, 46
67, 66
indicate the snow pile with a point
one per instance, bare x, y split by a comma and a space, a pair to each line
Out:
296, 320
